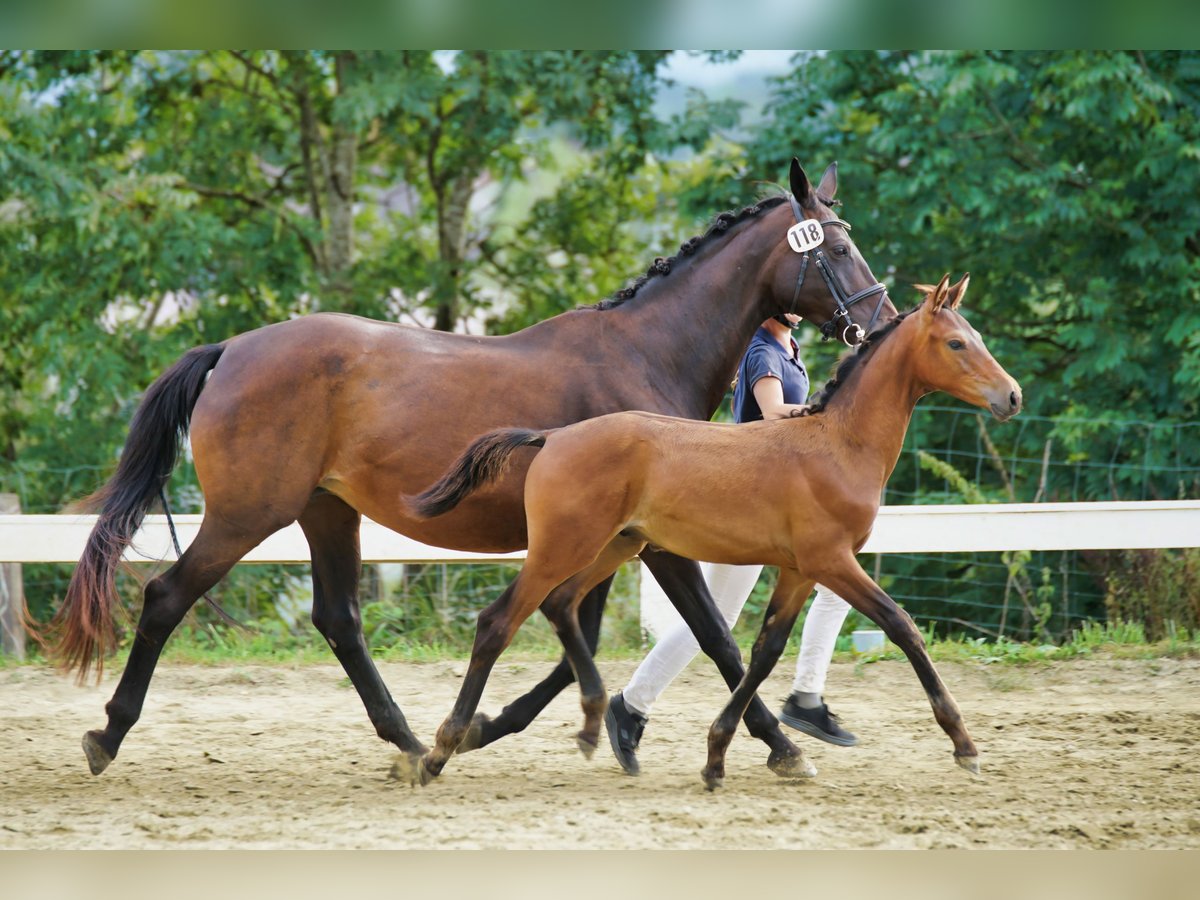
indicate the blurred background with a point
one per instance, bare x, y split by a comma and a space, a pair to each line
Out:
153, 201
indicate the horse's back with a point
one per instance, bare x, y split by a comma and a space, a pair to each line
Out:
370, 410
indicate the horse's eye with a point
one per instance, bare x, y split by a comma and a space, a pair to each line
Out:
956, 344
841, 250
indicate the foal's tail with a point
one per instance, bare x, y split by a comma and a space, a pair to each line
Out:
484, 461
83, 627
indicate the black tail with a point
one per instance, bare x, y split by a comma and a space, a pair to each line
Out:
85, 621
483, 462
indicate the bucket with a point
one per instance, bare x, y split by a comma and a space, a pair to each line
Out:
866, 641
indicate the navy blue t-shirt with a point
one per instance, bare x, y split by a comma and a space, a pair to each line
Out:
765, 357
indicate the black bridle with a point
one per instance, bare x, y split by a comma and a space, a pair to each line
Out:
843, 300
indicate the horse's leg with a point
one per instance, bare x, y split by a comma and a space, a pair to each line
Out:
517, 715
331, 527
855, 586
790, 593
494, 632
166, 600
683, 583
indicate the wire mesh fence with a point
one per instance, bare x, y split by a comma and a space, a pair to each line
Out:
955, 455
951, 455
1036, 458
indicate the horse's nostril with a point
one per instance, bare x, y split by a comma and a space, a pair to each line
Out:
1014, 400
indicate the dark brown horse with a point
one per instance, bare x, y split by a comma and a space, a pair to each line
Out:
666, 481
327, 418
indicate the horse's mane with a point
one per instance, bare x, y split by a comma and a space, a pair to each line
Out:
662, 266
852, 359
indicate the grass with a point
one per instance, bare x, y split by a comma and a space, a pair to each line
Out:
268, 644
1106, 640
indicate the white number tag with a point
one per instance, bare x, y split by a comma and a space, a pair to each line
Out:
805, 235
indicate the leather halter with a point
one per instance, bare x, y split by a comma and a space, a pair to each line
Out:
843, 300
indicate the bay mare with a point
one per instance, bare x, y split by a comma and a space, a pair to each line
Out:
681, 485
328, 418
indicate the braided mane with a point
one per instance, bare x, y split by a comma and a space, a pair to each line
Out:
662, 266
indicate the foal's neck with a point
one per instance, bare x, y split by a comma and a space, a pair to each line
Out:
873, 409
695, 323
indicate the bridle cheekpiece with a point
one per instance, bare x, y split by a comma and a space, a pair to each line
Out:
797, 240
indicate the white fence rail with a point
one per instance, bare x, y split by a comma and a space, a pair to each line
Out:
61, 538
898, 529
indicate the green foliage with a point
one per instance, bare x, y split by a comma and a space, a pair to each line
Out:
1066, 182
151, 201
1159, 589
969, 490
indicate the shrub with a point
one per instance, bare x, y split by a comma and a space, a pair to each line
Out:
1159, 589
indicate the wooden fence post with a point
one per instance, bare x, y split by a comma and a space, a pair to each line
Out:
12, 594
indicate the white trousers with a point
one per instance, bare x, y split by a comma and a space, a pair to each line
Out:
730, 587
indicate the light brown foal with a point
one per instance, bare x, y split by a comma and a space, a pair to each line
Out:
601, 490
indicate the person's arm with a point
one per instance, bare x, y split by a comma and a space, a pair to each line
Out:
768, 392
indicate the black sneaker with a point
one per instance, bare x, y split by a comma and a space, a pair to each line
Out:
818, 722
624, 728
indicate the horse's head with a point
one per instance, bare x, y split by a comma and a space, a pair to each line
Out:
818, 273
949, 355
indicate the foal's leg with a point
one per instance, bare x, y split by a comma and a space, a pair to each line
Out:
790, 593
855, 586
684, 584
562, 609
517, 715
331, 527
494, 632
166, 600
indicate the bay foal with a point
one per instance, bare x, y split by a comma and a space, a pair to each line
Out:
599, 491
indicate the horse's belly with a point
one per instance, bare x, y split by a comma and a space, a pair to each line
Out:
729, 538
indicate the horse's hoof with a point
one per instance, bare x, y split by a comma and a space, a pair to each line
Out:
970, 763
408, 768
474, 737
98, 758
586, 744
711, 781
792, 766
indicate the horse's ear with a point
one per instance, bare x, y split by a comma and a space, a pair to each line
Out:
935, 298
827, 189
959, 290
800, 185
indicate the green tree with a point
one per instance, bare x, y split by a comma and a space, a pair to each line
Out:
151, 201
1067, 183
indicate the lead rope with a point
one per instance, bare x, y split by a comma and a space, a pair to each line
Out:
225, 617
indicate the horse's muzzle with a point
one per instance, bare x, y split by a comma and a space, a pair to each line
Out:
1007, 407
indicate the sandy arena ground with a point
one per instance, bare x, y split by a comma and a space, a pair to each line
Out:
1081, 754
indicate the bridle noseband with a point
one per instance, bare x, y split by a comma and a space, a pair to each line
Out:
843, 300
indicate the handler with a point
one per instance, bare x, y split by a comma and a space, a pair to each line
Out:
771, 384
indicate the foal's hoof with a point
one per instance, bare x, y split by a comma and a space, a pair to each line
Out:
788, 765
409, 768
970, 763
587, 743
98, 758
474, 737
712, 780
